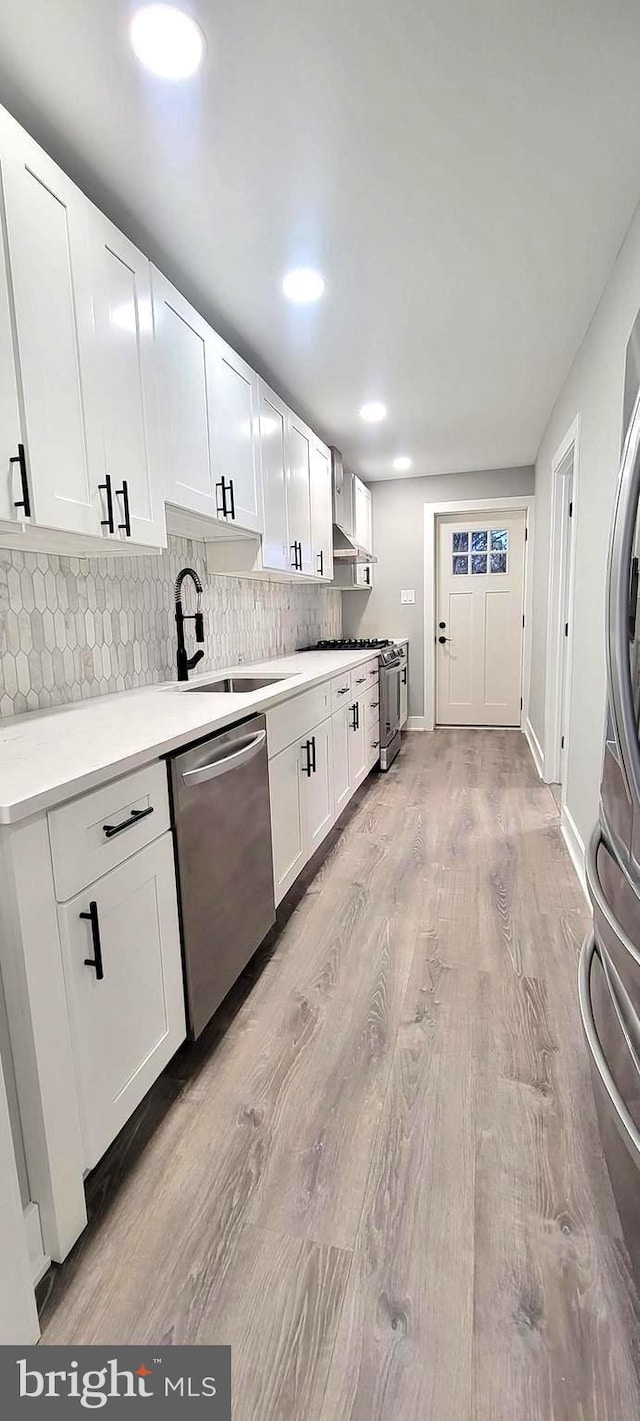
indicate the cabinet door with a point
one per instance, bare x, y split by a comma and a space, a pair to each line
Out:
121, 402
363, 515
287, 819
340, 736
318, 787
184, 357
321, 514
127, 1026
235, 435
299, 493
10, 428
358, 744
363, 574
46, 228
272, 416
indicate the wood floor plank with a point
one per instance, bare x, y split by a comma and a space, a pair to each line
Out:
403, 1347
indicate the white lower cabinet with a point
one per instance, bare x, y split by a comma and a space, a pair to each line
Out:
340, 735
318, 790
287, 824
302, 803
122, 965
358, 743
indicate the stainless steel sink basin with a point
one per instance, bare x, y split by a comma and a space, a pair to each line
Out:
236, 685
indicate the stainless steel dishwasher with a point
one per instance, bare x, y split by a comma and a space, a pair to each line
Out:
222, 823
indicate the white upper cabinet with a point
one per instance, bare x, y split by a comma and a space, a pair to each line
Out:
46, 229
186, 399
11, 491
236, 438
272, 415
298, 448
120, 397
363, 532
321, 511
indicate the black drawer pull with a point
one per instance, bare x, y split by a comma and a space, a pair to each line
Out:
321, 563
360, 680
375, 744
313, 754
124, 495
374, 672
108, 521
96, 960
343, 690
374, 705
136, 814
23, 502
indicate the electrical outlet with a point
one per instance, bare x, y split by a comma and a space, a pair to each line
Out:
407, 596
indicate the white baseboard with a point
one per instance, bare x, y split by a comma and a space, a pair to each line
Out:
415, 722
535, 747
575, 846
37, 1256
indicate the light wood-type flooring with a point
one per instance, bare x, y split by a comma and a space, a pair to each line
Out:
378, 1175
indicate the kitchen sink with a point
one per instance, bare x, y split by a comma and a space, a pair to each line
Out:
236, 685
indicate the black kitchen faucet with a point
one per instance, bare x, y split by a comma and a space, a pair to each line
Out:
187, 663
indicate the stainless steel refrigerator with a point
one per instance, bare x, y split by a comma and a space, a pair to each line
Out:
609, 976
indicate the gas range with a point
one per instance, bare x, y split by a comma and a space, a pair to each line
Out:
365, 643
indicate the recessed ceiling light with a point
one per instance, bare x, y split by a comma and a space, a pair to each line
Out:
373, 412
167, 41
303, 286
401, 463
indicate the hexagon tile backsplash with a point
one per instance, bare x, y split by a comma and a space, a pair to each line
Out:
72, 628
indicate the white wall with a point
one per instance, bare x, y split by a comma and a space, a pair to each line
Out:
398, 538
594, 390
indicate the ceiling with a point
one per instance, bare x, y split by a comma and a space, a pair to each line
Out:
462, 174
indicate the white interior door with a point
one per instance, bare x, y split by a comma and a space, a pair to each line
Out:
479, 612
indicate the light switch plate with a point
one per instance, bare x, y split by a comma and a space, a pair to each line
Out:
407, 595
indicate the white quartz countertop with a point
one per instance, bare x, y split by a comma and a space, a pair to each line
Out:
49, 756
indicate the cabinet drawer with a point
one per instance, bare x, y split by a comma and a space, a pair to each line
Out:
94, 834
363, 677
340, 690
292, 719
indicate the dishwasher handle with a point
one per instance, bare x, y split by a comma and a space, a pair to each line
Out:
226, 762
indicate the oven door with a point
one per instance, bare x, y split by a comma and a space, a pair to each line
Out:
389, 702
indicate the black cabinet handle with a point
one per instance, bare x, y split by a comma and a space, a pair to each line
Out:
321, 562
294, 549
136, 814
355, 724
108, 521
375, 744
308, 768
232, 510
96, 960
343, 690
223, 490
374, 704
124, 495
25, 501
299, 557
404, 675
313, 754
367, 576
374, 672
360, 680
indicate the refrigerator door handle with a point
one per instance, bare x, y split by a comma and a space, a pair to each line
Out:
619, 589
625, 1122
598, 899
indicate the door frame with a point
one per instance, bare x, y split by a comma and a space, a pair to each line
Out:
562, 547
524, 503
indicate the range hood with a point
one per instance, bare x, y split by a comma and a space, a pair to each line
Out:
345, 547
